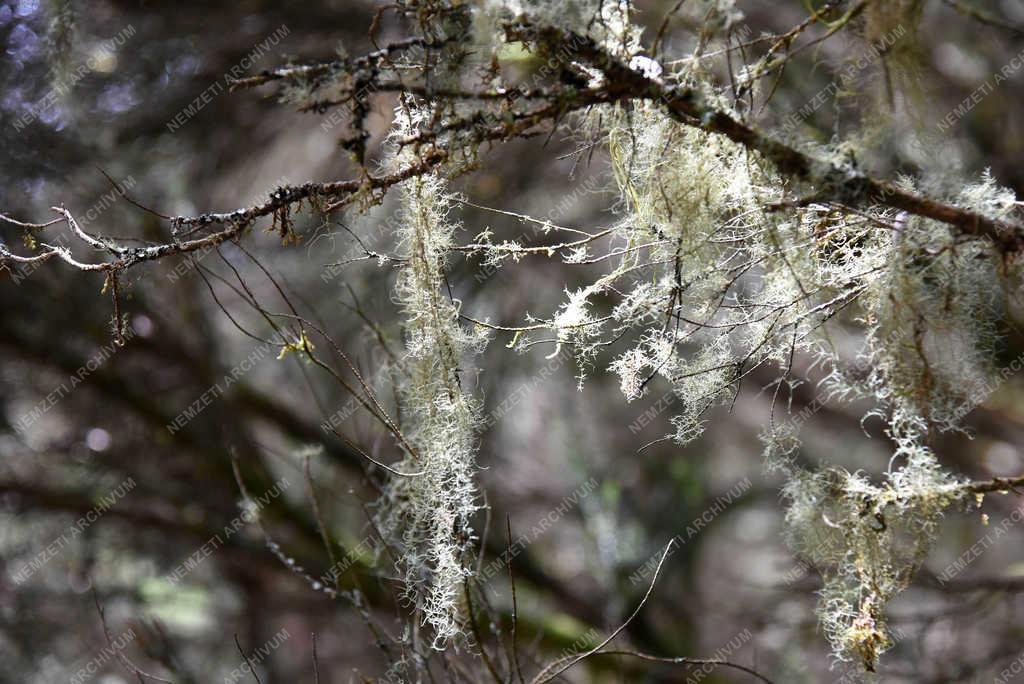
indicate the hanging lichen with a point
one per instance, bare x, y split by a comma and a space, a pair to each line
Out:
428, 513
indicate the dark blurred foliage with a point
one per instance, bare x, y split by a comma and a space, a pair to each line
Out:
548, 440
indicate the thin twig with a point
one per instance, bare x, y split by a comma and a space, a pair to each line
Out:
543, 677
515, 608
252, 668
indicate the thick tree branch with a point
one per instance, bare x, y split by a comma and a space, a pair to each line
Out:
828, 180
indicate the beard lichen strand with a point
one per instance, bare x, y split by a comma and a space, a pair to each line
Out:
686, 194
868, 540
428, 515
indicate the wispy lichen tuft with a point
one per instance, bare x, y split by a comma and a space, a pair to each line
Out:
428, 513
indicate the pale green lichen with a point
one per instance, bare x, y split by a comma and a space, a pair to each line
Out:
428, 514
933, 322
868, 540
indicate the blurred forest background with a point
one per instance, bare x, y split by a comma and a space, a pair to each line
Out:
562, 464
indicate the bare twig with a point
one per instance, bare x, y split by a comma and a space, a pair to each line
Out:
252, 668
515, 606
543, 675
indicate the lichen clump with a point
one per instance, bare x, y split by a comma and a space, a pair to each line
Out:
867, 539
